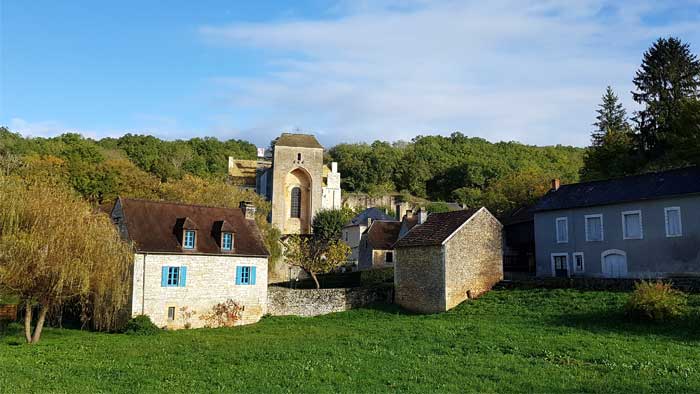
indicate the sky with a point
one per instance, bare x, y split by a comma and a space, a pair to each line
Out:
347, 71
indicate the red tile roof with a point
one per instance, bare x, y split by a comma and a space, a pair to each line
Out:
383, 234
156, 226
436, 229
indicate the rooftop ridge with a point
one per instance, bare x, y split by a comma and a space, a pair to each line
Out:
650, 173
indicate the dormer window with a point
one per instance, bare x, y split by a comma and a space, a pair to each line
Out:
227, 241
189, 239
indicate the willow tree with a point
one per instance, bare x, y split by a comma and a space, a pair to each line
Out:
54, 249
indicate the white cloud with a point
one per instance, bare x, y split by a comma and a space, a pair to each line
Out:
503, 70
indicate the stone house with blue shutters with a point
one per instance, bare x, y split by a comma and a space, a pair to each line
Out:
642, 226
189, 258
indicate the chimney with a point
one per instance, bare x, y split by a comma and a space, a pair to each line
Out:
369, 222
334, 167
422, 215
409, 214
555, 184
248, 210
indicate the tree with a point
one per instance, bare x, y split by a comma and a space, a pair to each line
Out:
611, 153
669, 74
686, 140
314, 255
612, 116
54, 249
328, 223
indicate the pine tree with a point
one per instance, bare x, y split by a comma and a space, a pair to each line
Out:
612, 117
669, 74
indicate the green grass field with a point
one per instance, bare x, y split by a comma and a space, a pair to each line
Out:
507, 341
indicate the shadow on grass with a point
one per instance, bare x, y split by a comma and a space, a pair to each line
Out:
616, 322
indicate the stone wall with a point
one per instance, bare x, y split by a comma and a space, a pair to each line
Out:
283, 301
687, 284
419, 278
473, 259
210, 280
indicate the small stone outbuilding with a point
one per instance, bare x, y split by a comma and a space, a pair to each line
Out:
377, 244
451, 257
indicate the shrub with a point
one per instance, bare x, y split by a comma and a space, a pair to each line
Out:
141, 325
10, 328
225, 314
656, 301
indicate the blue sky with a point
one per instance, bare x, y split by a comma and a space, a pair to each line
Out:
530, 71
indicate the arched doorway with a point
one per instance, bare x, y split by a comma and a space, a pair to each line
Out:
614, 263
297, 202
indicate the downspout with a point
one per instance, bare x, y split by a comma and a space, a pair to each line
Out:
143, 286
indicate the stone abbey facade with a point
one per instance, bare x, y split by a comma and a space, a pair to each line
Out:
295, 181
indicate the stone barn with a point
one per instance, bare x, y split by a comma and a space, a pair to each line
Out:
451, 257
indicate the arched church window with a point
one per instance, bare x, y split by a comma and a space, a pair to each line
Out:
296, 203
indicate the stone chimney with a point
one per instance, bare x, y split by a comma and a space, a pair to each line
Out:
555, 184
422, 215
409, 214
369, 222
248, 210
334, 167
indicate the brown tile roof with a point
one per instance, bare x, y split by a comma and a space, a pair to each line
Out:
436, 229
383, 234
298, 140
155, 227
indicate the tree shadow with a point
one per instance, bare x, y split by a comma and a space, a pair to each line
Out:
617, 322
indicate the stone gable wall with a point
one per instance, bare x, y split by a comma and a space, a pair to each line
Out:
210, 280
474, 259
419, 279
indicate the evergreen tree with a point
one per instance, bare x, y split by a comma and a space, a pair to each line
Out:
612, 116
669, 74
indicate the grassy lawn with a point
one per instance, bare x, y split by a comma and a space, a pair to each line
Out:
507, 341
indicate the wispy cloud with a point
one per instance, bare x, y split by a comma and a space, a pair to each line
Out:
531, 71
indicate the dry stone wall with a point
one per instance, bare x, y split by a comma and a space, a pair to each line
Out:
283, 301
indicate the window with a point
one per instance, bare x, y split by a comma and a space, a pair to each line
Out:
173, 276
632, 225
227, 241
171, 313
562, 227
189, 239
389, 257
296, 203
578, 262
594, 227
245, 275
298, 156
674, 227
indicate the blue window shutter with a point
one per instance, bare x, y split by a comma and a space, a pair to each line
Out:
183, 276
164, 277
252, 275
239, 271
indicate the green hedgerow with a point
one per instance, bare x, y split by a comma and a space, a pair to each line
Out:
141, 325
656, 301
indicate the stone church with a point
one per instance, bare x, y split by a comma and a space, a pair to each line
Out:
294, 179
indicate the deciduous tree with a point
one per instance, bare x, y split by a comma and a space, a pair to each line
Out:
315, 256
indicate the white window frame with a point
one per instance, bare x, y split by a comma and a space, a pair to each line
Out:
641, 223
583, 262
556, 229
602, 227
553, 255
680, 221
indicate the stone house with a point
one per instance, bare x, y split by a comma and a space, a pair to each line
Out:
449, 258
189, 258
642, 226
377, 244
353, 230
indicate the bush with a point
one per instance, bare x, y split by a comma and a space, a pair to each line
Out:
141, 325
10, 328
225, 314
656, 301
